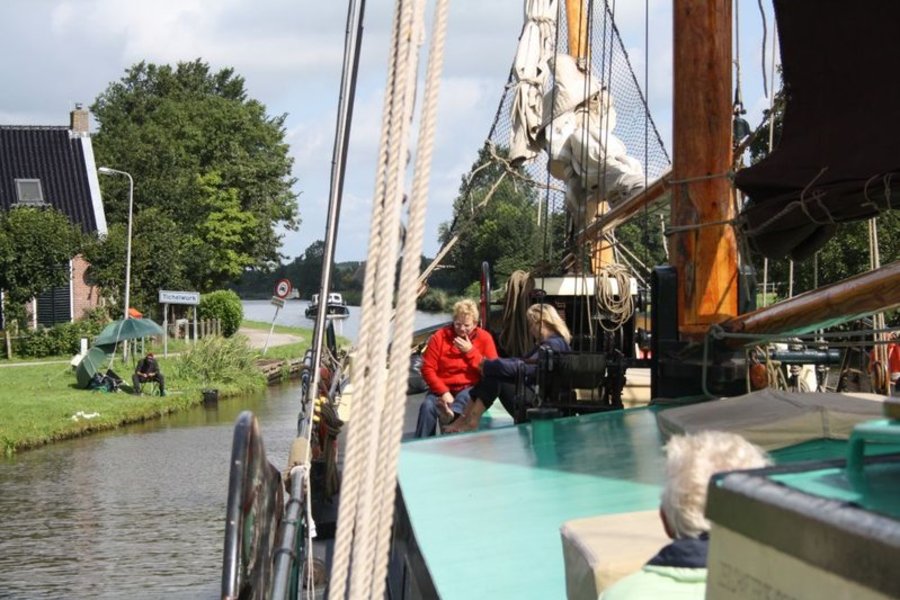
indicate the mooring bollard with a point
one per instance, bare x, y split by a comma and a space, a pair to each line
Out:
210, 397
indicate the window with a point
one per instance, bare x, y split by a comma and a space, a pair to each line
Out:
54, 306
30, 192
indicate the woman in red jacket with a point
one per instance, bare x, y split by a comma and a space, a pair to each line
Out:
450, 367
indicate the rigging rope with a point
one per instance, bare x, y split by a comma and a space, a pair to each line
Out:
515, 338
354, 511
762, 13
367, 498
403, 325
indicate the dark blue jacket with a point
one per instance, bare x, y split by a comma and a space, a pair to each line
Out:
506, 368
688, 552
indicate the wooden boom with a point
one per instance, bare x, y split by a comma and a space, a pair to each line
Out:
625, 210
865, 294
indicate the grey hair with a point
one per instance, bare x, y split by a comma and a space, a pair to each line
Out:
690, 462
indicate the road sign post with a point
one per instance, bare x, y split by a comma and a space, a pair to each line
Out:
167, 297
283, 288
278, 301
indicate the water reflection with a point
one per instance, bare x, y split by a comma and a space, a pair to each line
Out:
137, 512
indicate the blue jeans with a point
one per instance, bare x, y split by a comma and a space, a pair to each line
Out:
426, 426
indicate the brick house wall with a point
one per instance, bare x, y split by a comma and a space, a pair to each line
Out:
85, 296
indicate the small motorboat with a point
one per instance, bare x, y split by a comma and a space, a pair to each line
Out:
336, 307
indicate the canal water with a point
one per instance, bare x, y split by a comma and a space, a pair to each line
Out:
292, 315
138, 512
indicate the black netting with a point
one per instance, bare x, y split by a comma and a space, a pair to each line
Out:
634, 126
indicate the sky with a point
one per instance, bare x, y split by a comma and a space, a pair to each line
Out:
61, 52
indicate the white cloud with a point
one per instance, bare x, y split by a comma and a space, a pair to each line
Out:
58, 52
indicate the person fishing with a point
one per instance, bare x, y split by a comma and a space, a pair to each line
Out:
148, 370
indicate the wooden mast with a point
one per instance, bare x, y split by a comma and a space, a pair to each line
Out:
576, 20
580, 48
705, 257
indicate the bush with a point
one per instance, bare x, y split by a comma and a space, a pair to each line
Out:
224, 361
224, 305
60, 340
434, 300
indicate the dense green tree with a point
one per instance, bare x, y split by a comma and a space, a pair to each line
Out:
305, 272
843, 256
205, 156
36, 245
644, 238
156, 261
503, 230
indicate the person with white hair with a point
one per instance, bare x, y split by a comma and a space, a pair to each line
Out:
679, 569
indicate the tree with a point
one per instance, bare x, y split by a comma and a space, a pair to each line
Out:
156, 261
306, 271
224, 305
504, 231
206, 157
36, 245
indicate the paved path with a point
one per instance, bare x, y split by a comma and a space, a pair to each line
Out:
258, 337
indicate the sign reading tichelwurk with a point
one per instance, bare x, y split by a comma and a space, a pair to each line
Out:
170, 297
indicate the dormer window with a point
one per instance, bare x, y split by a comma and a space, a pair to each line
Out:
30, 192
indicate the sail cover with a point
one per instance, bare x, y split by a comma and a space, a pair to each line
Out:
839, 155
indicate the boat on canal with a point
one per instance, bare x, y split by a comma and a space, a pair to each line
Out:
335, 307
565, 503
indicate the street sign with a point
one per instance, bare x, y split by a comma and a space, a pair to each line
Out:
282, 288
279, 302
170, 297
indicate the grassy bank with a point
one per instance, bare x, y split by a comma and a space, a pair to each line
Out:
40, 403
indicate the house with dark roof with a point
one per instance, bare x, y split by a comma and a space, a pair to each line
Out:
54, 166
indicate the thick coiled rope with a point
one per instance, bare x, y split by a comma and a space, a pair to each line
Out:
616, 307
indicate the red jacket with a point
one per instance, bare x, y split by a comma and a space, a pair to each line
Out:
445, 368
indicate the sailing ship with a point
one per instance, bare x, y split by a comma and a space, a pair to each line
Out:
484, 514
335, 306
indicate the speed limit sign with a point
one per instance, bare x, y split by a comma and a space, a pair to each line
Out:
282, 288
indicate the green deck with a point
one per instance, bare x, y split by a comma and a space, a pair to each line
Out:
486, 507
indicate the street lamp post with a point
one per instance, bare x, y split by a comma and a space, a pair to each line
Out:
108, 171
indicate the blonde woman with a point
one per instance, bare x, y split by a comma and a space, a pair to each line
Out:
549, 330
450, 367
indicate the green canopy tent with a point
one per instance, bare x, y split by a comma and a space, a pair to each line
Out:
97, 360
127, 329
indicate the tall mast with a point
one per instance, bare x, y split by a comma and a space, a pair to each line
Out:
577, 14
705, 257
576, 20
